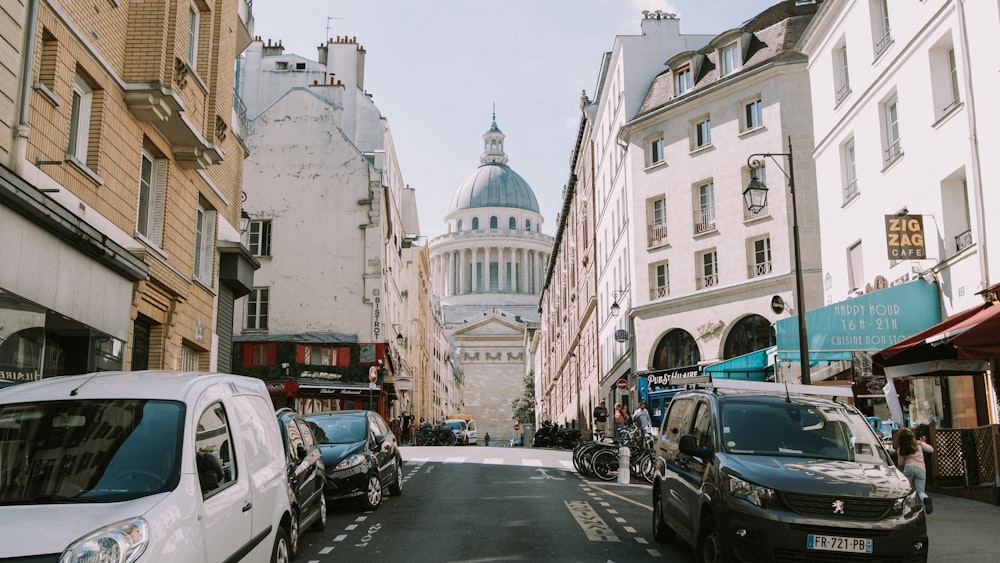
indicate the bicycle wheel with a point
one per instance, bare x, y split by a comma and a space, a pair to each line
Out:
448, 439
578, 454
605, 464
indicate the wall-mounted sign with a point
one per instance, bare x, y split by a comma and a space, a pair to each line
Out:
621, 335
904, 237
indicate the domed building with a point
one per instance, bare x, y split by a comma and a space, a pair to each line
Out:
488, 271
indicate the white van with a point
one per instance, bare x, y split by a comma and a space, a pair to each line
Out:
470, 427
155, 465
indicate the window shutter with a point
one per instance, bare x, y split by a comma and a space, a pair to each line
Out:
247, 360
208, 248
343, 356
159, 200
300, 354
272, 353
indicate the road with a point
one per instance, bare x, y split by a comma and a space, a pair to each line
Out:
475, 504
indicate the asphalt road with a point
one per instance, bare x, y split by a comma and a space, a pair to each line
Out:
476, 504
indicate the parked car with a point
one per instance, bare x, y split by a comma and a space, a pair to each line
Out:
764, 475
361, 456
306, 475
461, 430
142, 466
470, 426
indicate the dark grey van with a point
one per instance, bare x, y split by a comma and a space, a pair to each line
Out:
767, 475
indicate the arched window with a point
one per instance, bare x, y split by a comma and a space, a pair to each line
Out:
512, 225
749, 334
475, 223
459, 225
676, 349
493, 222
527, 224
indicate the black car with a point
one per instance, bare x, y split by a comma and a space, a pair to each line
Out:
306, 475
767, 475
361, 455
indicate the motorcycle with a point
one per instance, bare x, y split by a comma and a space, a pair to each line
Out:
550, 435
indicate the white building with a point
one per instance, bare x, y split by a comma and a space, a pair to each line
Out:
488, 271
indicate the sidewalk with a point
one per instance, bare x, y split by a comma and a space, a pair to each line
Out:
962, 530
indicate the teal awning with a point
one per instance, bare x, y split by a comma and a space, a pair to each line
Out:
755, 366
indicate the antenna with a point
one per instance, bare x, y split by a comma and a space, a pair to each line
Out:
328, 18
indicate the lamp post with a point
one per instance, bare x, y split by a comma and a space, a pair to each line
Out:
755, 196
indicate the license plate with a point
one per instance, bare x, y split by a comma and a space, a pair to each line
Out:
838, 543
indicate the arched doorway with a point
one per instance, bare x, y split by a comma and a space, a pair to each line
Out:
676, 349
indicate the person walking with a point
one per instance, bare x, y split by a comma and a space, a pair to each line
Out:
911, 460
601, 417
641, 418
620, 418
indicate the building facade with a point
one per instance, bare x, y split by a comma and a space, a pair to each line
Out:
488, 271
121, 185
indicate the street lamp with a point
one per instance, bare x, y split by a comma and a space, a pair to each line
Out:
755, 196
399, 333
615, 307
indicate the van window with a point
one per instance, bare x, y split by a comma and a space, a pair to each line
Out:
703, 426
216, 464
678, 420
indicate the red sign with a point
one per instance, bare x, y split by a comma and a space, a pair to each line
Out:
516, 427
372, 374
622, 383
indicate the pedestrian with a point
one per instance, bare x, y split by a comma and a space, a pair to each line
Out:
405, 426
601, 417
641, 417
487, 439
911, 460
620, 418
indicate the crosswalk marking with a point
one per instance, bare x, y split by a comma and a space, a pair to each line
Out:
532, 462
454, 459
493, 461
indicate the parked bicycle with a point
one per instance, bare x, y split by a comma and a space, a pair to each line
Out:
600, 457
434, 435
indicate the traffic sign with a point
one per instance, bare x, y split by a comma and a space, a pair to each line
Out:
516, 427
372, 374
622, 383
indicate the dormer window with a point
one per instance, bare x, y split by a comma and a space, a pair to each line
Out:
682, 80
730, 58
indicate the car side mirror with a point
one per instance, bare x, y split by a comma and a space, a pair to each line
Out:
379, 439
689, 446
301, 452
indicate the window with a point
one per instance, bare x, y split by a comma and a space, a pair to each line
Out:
705, 215
512, 224
955, 208
944, 78
204, 247
702, 133
682, 81
881, 32
259, 354
475, 223
152, 186
493, 222
850, 171
659, 286
676, 349
855, 267
657, 209
709, 274
753, 116
322, 355
194, 20
730, 59
79, 120
214, 451
655, 151
260, 238
189, 358
841, 76
527, 224
256, 311
890, 130
760, 264
459, 225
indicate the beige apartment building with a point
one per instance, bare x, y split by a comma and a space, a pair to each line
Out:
121, 187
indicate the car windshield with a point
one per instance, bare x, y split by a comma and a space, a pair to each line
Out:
338, 429
88, 450
798, 430
456, 425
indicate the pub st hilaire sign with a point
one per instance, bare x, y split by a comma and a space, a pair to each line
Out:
904, 237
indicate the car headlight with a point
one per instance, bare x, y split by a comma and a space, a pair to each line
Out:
122, 542
352, 461
907, 505
750, 492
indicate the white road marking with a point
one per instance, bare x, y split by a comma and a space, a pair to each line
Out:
417, 460
325, 550
641, 540
493, 461
568, 464
351, 527
532, 462
654, 552
630, 529
455, 459
341, 537
593, 526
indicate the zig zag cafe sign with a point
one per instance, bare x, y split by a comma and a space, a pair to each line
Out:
904, 237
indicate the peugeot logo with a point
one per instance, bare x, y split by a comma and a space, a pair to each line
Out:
838, 507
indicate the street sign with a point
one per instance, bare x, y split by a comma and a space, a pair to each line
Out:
622, 383
621, 335
516, 427
372, 374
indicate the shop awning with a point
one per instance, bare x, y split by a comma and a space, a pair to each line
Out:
755, 366
962, 343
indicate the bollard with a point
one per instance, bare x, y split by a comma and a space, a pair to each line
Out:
624, 465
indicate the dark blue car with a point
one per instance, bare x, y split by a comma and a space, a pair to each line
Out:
361, 456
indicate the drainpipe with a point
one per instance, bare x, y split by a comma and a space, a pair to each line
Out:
19, 151
977, 180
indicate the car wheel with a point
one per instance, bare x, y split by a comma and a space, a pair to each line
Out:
373, 494
281, 552
709, 548
293, 535
319, 524
662, 533
396, 487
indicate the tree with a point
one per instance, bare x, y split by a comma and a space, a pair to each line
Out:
523, 408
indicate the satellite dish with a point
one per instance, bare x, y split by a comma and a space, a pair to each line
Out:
777, 305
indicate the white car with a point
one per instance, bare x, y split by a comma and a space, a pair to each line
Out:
142, 466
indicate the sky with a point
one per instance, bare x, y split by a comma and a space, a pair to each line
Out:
437, 68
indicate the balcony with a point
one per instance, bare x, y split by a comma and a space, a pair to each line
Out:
704, 282
704, 220
759, 269
850, 191
963, 240
657, 235
659, 292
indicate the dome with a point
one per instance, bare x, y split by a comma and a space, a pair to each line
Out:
494, 184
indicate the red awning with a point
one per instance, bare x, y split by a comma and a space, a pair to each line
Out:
950, 344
